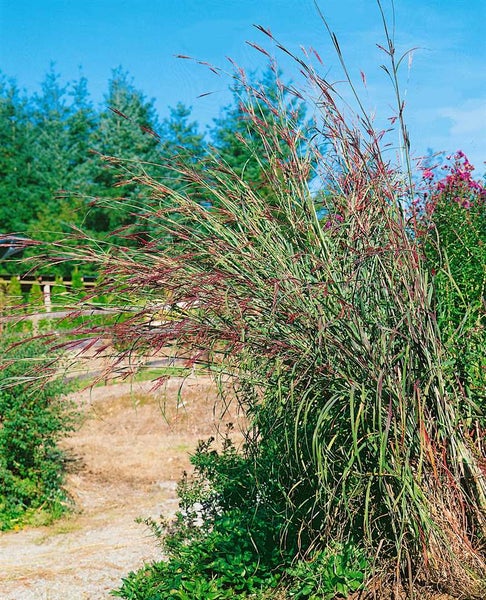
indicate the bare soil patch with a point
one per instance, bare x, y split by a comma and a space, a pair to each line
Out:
131, 449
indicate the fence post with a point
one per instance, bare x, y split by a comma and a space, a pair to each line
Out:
47, 297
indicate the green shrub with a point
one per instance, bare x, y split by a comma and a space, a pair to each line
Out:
224, 542
327, 574
77, 283
14, 296
33, 419
59, 294
35, 298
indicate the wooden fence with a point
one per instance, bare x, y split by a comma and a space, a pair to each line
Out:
46, 283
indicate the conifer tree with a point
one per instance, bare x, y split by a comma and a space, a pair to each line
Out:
62, 120
17, 172
36, 296
235, 135
50, 113
58, 293
127, 130
14, 292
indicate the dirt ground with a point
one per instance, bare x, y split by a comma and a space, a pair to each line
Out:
130, 449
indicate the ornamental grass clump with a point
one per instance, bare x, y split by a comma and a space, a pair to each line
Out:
308, 294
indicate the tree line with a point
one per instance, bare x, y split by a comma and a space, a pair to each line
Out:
53, 170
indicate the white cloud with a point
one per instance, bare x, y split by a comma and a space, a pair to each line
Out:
468, 119
452, 127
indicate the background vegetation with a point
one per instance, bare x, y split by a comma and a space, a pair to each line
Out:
452, 219
53, 178
33, 418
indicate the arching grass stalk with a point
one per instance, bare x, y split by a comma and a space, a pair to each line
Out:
319, 308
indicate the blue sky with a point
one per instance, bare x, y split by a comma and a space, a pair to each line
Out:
444, 84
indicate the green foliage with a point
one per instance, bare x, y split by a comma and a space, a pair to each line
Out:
224, 542
77, 283
181, 137
3, 295
14, 293
55, 175
52, 182
17, 176
36, 295
59, 116
32, 421
327, 574
124, 130
454, 241
50, 112
59, 297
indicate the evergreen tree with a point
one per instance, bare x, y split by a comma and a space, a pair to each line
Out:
240, 134
77, 283
36, 296
51, 145
126, 131
181, 137
14, 292
59, 293
64, 120
16, 160
181, 143
81, 126
81, 123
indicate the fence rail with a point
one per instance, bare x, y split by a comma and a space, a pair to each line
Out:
46, 283
58, 314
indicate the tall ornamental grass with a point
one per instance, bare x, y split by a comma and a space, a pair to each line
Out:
313, 300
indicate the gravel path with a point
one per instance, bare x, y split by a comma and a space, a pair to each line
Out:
129, 460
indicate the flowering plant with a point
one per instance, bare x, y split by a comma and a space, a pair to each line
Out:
452, 224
